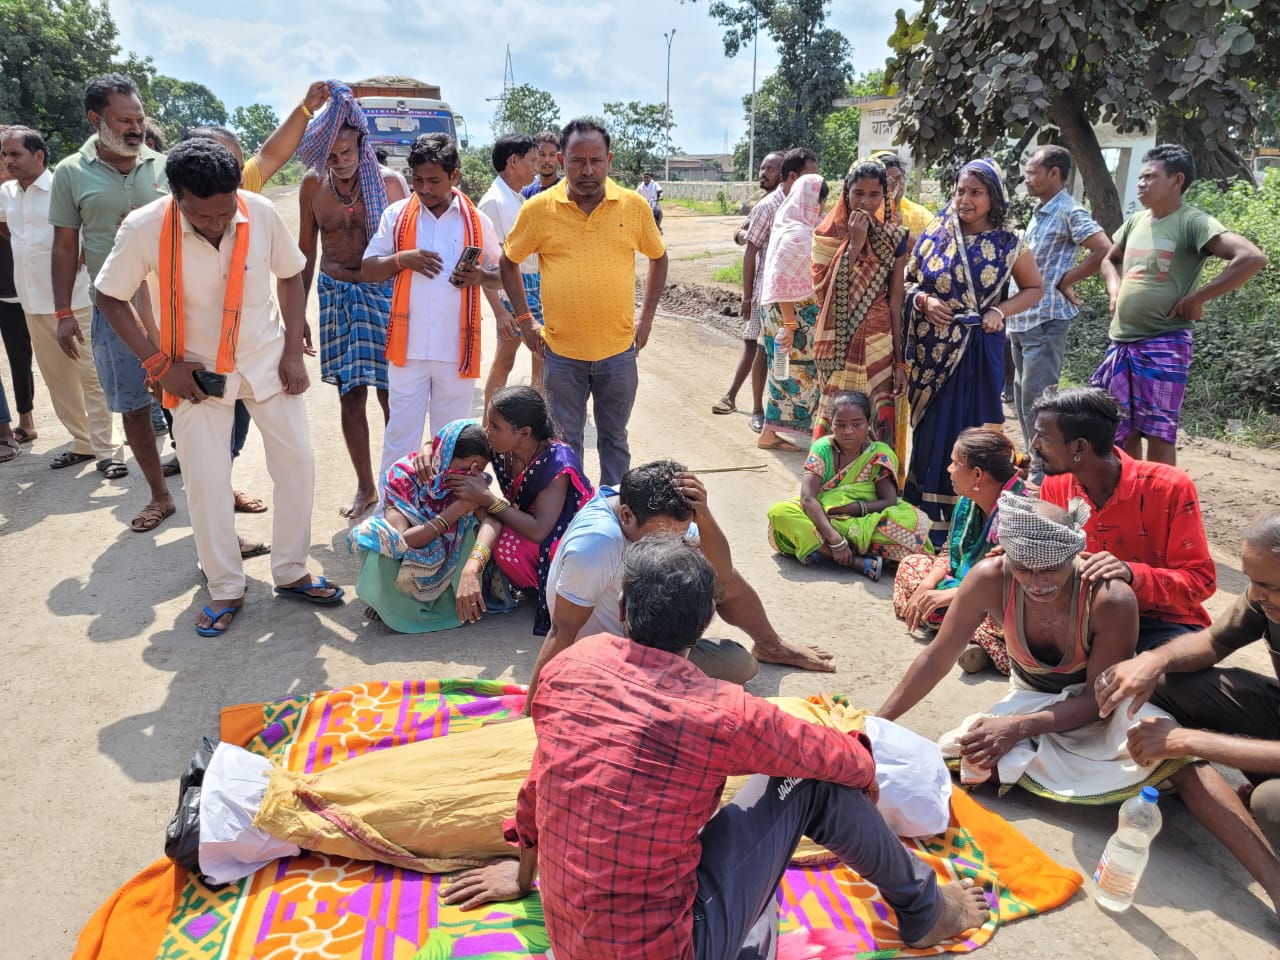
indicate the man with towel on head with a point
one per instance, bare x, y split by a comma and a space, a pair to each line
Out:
341, 201
1065, 636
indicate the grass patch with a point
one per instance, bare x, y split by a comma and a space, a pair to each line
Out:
704, 255
730, 274
707, 208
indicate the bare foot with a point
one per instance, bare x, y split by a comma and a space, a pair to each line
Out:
364, 500
964, 906
790, 655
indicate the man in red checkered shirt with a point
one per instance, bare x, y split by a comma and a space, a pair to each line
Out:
619, 810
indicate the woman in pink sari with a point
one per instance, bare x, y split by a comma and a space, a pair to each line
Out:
542, 488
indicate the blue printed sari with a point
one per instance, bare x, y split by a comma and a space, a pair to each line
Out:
955, 372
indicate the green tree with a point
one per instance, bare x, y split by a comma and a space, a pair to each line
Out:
838, 143
477, 171
48, 48
638, 132
977, 75
526, 110
253, 124
813, 68
183, 104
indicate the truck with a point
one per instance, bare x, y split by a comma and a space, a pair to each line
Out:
399, 110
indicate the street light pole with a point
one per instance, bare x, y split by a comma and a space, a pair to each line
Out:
755, 45
668, 37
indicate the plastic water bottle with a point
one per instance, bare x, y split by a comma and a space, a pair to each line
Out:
781, 369
1124, 859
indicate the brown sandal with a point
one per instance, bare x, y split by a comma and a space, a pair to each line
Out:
724, 405
248, 504
150, 517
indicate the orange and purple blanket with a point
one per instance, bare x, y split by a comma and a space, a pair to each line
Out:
314, 907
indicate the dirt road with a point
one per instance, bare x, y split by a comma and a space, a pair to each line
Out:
108, 688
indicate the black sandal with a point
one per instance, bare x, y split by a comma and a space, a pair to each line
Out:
113, 469
68, 458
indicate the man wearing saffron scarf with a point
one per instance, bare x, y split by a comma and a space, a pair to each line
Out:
215, 249
340, 202
433, 340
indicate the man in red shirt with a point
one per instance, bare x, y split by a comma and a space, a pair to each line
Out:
619, 810
1145, 528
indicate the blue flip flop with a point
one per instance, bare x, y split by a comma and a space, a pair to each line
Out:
300, 592
212, 630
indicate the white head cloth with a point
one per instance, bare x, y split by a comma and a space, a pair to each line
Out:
1034, 541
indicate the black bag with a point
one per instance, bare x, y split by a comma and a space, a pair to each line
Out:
182, 836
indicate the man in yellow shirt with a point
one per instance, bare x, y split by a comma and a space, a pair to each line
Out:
586, 231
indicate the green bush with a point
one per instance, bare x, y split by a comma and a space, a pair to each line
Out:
1235, 374
730, 274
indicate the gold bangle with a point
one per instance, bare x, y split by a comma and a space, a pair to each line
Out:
305, 111
498, 506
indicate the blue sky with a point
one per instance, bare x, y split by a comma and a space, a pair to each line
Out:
268, 52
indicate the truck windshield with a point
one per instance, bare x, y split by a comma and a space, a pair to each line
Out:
397, 127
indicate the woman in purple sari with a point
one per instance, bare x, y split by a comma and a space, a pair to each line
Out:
542, 487
957, 281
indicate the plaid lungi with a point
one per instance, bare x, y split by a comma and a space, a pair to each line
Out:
353, 332
1148, 378
532, 293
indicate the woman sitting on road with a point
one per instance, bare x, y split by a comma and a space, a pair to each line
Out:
790, 311
982, 467
543, 487
413, 575
848, 509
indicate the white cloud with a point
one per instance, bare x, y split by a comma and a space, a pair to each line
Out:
266, 52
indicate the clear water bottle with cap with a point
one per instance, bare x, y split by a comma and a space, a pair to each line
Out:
1124, 859
781, 369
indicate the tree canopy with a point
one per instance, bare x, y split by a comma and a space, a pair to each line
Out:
979, 76
638, 132
253, 124
813, 70
180, 105
527, 110
48, 48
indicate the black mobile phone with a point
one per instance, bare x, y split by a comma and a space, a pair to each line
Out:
213, 384
469, 256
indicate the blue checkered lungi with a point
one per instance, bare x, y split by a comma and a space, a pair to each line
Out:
353, 332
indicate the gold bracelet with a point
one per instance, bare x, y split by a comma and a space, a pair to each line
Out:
481, 553
305, 111
498, 506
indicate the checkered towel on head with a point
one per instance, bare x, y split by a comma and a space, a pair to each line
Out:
318, 139
1034, 541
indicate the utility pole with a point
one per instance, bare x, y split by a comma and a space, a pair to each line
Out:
668, 37
508, 84
755, 46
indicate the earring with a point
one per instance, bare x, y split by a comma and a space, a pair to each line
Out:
976, 487
1077, 458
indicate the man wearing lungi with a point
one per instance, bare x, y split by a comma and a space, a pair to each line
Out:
1151, 273
341, 201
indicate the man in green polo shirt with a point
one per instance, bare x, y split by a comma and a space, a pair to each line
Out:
94, 189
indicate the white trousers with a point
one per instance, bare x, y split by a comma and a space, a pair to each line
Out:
73, 385
412, 390
204, 430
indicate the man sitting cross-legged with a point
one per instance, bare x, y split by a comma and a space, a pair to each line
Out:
618, 811
585, 581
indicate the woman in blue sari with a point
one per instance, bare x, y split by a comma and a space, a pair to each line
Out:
420, 571
957, 281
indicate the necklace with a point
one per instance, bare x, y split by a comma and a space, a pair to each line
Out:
348, 202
